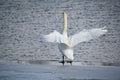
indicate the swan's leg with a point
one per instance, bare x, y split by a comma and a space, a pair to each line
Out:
63, 60
70, 62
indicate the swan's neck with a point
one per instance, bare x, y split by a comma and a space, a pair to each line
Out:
65, 24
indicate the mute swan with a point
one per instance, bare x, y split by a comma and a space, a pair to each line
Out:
66, 44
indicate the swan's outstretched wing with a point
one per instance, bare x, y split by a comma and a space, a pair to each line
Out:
55, 37
87, 35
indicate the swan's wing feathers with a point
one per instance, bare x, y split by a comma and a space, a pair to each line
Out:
87, 35
55, 37
52, 37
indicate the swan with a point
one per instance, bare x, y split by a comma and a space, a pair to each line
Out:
66, 44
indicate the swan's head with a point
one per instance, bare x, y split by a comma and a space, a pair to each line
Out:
65, 23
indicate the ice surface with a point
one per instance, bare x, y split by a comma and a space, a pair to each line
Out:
57, 72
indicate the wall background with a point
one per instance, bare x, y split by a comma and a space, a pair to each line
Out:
23, 21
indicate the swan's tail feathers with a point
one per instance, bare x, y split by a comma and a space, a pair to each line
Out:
87, 35
55, 37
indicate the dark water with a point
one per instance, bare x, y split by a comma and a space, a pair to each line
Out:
23, 21
57, 72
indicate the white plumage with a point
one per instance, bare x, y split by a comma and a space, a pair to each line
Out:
66, 44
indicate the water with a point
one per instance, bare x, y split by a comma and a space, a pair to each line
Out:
23, 21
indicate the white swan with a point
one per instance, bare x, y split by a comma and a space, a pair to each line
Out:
66, 44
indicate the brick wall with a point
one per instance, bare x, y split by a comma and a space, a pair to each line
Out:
23, 21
